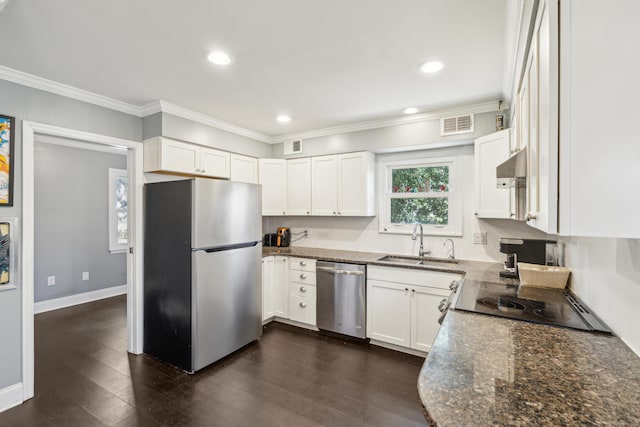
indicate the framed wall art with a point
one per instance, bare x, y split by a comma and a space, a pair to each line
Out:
7, 130
8, 233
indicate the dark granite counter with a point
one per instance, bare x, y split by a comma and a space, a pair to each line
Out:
485, 370
476, 270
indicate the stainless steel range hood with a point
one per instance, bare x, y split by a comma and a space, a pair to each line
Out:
512, 173
515, 167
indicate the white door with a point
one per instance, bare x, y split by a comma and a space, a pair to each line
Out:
244, 169
268, 287
490, 151
272, 175
179, 156
352, 184
388, 312
299, 186
214, 163
281, 287
324, 182
424, 316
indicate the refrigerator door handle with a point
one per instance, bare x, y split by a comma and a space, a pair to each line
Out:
227, 247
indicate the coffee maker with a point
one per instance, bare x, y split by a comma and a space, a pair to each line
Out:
533, 251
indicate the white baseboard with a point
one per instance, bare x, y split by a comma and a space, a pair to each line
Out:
55, 304
398, 348
10, 396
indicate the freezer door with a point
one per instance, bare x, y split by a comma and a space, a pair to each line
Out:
225, 213
227, 302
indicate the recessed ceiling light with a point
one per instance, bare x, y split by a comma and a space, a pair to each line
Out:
283, 118
219, 58
410, 110
3, 3
431, 67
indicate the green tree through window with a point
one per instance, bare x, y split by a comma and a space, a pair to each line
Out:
430, 184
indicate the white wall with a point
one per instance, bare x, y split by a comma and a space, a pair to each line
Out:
358, 233
606, 276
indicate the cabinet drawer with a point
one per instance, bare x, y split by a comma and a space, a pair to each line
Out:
302, 309
302, 290
433, 279
303, 264
302, 276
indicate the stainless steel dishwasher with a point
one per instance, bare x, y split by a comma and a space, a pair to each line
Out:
341, 298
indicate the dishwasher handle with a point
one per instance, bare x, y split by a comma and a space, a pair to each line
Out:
337, 271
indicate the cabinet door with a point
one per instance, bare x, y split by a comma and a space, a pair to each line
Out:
302, 309
268, 287
179, 156
354, 179
244, 169
272, 175
533, 154
299, 187
424, 316
543, 179
281, 287
388, 312
490, 151
324, 182
214, 163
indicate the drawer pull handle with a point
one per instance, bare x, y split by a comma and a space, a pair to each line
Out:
303, 276
303, 304
303, 289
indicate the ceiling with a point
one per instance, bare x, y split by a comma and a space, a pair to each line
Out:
324, 63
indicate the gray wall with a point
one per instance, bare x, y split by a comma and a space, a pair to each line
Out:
190, 131
25, 103
72, 221
412, 136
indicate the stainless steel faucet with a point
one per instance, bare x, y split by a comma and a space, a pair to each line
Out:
421, 252
453, 249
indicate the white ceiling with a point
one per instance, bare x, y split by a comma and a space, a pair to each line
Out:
325, 63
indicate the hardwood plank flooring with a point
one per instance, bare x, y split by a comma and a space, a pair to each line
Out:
291, 377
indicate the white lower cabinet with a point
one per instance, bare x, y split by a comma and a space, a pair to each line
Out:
302, 290
402, 305
268, 288
281, 287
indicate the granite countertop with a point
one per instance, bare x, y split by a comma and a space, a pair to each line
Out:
485, 370
476, 270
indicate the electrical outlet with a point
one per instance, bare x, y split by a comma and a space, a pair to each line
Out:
85, 275
51, 280
480, 238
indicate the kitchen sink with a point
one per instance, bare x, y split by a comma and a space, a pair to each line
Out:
414, 260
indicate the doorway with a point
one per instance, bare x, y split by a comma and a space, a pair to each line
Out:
134, 254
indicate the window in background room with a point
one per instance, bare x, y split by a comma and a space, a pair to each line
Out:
118, 209
421, 191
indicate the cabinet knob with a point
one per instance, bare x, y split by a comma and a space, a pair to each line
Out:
303, 304
475, 213
334, 212
307, 212
531, 216
512, 214
283, 213
339, 213
303, 289
303, 276
413, 292
303, 263
202, 170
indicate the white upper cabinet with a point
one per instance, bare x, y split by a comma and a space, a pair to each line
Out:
170, 156
299, 186
244, 169
343, 184
490, 151
599, 149
272, 175
324, 181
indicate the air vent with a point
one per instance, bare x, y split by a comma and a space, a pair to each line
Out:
292, 147
456, 125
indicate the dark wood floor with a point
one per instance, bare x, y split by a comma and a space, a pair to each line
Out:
291, 377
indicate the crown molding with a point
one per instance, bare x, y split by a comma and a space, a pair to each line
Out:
204, 119
30, 80
484, 107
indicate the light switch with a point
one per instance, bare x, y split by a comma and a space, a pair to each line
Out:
51, 280
85, 275
480, 238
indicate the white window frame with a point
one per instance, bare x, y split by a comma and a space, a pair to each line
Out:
114, 246
453, 228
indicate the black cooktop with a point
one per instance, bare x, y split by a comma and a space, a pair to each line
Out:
557, 307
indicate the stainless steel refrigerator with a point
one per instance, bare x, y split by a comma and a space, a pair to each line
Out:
202, 270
